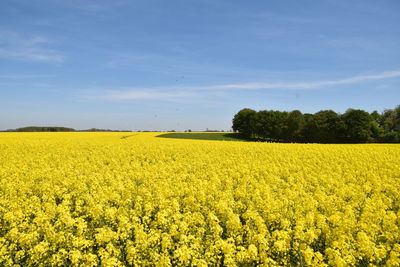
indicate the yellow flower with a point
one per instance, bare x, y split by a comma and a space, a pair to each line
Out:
89, 199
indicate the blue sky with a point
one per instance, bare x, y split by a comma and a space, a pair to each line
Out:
192, 64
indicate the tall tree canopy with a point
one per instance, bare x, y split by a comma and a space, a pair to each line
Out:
325, 126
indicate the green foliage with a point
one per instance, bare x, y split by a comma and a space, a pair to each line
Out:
44, 129
325, 126
360, 126
270, 124
391, 120
244, 122
295, 126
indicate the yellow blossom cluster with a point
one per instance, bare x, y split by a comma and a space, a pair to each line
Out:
123, 199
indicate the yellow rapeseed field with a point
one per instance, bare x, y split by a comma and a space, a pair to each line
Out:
89, 199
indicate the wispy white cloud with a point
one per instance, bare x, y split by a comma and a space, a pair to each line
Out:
190, 92
27, 48
309, 85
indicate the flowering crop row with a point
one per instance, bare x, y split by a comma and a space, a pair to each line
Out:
88, 199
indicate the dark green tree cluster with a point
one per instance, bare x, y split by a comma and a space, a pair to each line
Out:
59, 129
44, 129
325, 126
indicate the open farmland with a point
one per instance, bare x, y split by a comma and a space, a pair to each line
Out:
219, 136
96, 198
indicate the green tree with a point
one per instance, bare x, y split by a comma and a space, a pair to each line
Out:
306, 134
390, 123
295, 124
377, 117
272, 124
397, 119
326, 126
360, 126
244, 122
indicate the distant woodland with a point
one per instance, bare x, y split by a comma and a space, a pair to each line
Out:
325, 126
58, 129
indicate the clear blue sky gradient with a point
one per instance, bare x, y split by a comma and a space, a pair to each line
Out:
163, 65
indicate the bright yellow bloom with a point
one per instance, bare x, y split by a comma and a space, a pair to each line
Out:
89, 199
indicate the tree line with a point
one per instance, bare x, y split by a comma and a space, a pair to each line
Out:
59, 129
325, 126
43, 129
